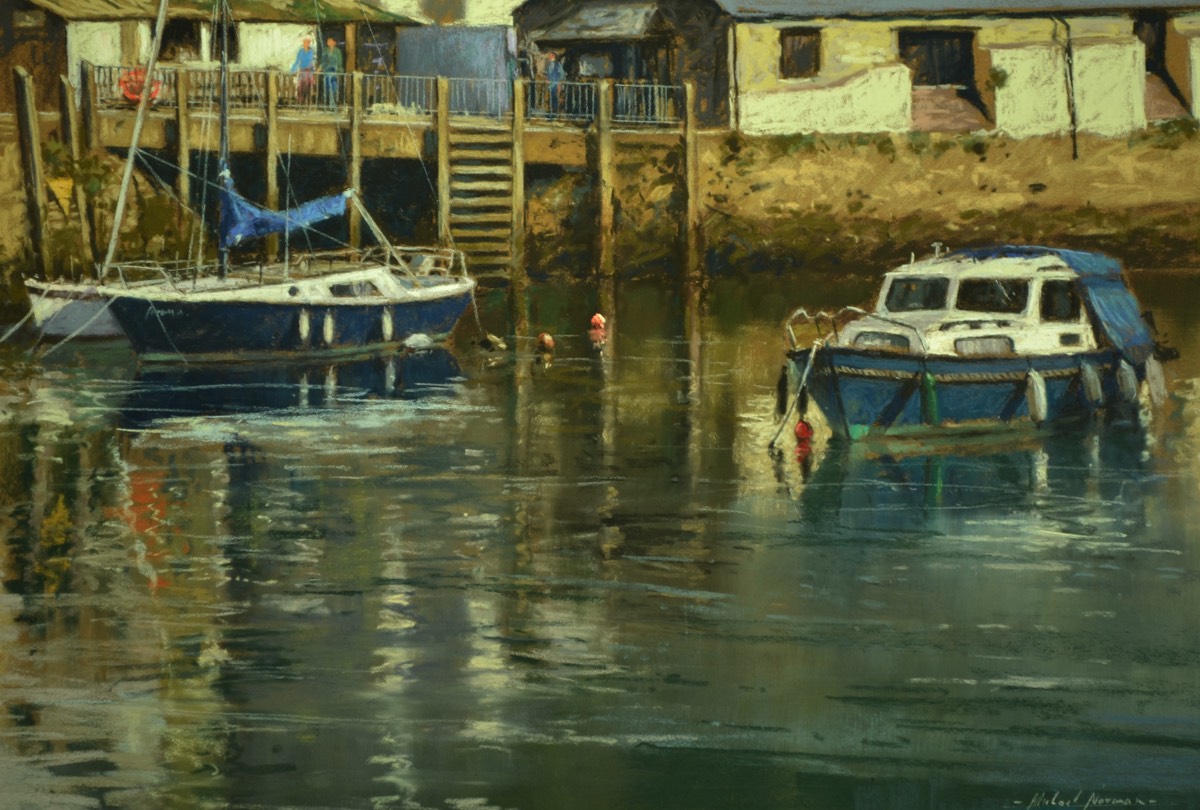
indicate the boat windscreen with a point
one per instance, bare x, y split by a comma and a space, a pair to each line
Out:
992, 295
913, 294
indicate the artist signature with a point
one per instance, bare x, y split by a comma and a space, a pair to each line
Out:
1083, 799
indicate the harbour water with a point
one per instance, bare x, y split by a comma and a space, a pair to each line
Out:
469, 579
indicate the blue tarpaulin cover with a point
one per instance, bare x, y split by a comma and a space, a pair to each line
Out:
242, 220
1112, 305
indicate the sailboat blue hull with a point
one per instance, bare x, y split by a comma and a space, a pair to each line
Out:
863, 394
235, 329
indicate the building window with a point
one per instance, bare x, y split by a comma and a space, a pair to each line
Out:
799, 53
180, 41
215, 46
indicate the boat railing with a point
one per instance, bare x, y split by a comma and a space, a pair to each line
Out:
820, 317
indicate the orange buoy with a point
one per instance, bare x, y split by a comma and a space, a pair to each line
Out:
598, 321
545, 342
133, 80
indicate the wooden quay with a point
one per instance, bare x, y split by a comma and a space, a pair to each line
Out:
477, 135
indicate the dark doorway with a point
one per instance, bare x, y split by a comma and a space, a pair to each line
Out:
1151, 28
939, 58
1163, 97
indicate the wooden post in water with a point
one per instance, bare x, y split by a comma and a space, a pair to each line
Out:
272, 157
183, 137
71, 137
693, 270
518, 281
29, 137
443, 159
356, 151
604, 179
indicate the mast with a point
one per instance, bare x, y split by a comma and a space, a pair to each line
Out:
223, 161
143, 104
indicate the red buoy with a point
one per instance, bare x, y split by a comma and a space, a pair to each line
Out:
804, 431
545, 342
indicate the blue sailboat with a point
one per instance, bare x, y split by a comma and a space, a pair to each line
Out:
333, 301
1009, 337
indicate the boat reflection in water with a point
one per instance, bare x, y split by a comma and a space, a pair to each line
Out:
187, 391
964, 488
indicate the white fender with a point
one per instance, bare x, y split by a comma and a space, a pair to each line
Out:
330, 384
389, 376
1035, 396
385, 322
1155, 381
327, 328
1093, 390
305, 326
1127, 382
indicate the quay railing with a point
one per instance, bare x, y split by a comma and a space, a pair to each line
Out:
573, 103
399, 95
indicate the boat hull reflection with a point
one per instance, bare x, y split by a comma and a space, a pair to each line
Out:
167, 392
885, 489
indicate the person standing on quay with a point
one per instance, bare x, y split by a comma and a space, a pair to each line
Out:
554, 77
332, 65
303, 68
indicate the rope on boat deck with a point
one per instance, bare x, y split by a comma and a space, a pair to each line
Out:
808, 366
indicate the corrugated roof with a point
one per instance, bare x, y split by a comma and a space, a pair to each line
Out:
602, 22
243, 10
800, 9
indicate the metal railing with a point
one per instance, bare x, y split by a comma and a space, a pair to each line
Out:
311, 91
647, 103
633, 103
399, 95
569, 101
491, 98
122, 85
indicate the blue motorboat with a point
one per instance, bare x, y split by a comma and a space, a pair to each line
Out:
1008, 337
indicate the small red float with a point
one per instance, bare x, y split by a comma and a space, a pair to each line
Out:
804, 431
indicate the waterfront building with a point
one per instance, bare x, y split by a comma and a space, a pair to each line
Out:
1037, 67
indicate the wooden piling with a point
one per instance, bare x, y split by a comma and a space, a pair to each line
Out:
29, 138
518, 280
183, 139
443, 159
518, 177
72, 137
604, 179
272, 158
691, 171
356, 151
89, 98
350, 65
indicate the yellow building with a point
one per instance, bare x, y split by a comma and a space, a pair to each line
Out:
1032, 69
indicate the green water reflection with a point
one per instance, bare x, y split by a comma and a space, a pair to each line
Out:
462, 579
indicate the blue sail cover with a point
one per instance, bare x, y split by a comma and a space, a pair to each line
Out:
242, 220
1113, 307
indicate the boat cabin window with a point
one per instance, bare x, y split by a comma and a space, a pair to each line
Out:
354, 289
912, 294
1060, 301
992, 295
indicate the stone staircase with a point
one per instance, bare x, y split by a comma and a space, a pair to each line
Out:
481, 194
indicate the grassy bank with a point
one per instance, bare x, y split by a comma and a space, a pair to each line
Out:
830, 203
